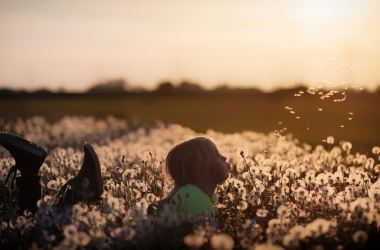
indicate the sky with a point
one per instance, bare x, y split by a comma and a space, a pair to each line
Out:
73, 44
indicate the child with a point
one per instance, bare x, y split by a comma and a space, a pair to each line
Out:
196, 167
86, 186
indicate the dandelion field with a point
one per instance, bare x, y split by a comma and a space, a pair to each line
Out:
281, 193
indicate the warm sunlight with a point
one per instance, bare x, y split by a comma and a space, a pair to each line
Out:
318, 11
261, 43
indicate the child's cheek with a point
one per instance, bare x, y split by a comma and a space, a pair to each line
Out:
215, 168
210, 169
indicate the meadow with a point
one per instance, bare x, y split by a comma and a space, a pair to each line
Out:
309, 116
282, 193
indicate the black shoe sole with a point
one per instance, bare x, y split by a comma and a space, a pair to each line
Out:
9, 139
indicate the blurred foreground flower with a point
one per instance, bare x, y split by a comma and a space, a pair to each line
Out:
222, 242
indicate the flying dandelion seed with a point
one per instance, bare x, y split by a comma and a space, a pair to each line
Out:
292, 112
311, 91
350, 118
298, 117
320, 109
341, 126
341, 99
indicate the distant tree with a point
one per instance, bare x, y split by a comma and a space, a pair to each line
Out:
222, 88
137, 89
42, 92
189, 87
114, 86
4, 92
165, 87
225, 88
61, 90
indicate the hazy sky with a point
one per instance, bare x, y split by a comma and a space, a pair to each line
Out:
264, 43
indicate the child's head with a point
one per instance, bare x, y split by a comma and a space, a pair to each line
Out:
196, 160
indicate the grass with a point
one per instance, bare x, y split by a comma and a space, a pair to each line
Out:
222, 112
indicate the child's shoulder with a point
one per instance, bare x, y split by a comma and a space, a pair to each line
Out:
192, 200
190, 191
191, 187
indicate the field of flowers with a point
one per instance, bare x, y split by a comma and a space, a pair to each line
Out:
281, 193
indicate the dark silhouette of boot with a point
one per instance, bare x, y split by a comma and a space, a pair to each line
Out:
87, 186
29, 158
29, 192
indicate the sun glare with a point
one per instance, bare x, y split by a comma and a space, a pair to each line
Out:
317, 11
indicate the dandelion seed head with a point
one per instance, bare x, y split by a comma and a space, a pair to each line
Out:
267, 246
282, 177
82, 239
70, 231
52, 185
330, 140
360, 237
376, 150
222, 241
346, 146
262, 213
194, 240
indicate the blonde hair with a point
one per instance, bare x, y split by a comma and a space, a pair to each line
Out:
185, 160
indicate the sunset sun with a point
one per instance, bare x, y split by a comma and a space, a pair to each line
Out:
317, 11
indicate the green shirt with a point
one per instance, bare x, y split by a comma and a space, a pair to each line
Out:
191, 200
